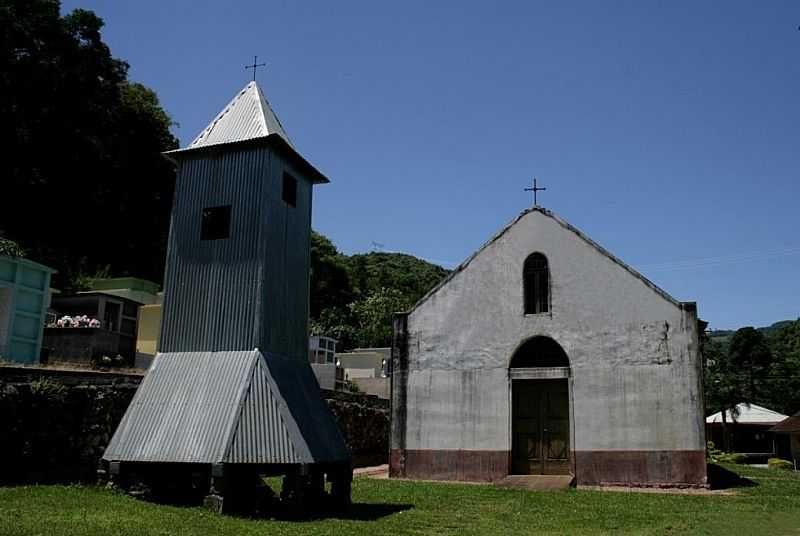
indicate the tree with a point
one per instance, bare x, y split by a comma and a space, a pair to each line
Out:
373, 317
336, 322
330, 281
760, 366
353, 298
784, 376
749, 355
722, 385
82, 147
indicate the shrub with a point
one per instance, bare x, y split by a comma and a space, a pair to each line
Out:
48, 391
734, 457
781, 465
714, 455
351, 387
104, 361
712, 452
10, 248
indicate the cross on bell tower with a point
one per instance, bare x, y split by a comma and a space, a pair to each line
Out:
535, 189
255, 66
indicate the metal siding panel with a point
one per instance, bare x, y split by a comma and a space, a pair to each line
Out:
185, 408
233, 294
212, 287
309, 422
235, 407
261, 436
274, 293
300, 270
287, 265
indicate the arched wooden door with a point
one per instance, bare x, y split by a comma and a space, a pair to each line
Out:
540, 425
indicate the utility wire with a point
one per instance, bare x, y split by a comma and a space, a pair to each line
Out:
710, 262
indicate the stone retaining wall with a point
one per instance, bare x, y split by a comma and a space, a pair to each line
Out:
56, 423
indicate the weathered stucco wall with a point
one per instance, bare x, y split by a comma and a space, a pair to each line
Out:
635, 383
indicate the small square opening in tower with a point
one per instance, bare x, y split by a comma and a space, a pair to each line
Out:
216, 223
289, 192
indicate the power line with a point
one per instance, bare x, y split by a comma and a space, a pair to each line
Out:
710, 262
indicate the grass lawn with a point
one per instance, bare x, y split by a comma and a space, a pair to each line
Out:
388, 508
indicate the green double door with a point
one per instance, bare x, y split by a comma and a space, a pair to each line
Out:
540, 427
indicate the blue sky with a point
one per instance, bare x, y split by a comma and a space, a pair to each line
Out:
667, 131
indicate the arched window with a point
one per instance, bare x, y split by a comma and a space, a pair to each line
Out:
539, 352
536, 279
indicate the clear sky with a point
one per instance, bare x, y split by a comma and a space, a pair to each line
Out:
669, 132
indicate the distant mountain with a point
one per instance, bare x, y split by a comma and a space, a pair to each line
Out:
724, 335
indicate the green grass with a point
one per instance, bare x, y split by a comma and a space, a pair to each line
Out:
392, 508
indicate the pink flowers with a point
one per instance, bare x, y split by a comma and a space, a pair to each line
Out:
80, 321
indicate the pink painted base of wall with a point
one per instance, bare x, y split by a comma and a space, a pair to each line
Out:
591, 467
641, 467
460, 465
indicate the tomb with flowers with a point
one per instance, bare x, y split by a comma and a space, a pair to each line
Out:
91, 329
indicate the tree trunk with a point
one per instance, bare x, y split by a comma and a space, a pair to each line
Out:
725, 440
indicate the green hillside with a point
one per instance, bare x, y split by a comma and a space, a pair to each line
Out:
412, 276
353, 298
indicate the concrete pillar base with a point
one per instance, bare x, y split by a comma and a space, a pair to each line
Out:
213, 503
233, 490
341, 487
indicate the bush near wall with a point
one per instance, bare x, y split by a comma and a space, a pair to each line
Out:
782, 465
714, 455
53, 431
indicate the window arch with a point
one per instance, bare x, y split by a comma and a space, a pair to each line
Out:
536, 280
539, 351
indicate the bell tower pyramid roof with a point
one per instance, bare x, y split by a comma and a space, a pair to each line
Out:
247, 116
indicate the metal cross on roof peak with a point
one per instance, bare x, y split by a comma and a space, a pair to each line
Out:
255, 66
535, 189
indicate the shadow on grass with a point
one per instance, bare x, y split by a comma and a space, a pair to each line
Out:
721, 478
274, 509
355, 512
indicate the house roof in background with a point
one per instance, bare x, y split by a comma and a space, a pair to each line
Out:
788, 425
748, 414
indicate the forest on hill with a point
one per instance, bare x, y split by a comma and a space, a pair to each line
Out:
353, 298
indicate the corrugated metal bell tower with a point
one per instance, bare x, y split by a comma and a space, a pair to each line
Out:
230, 394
